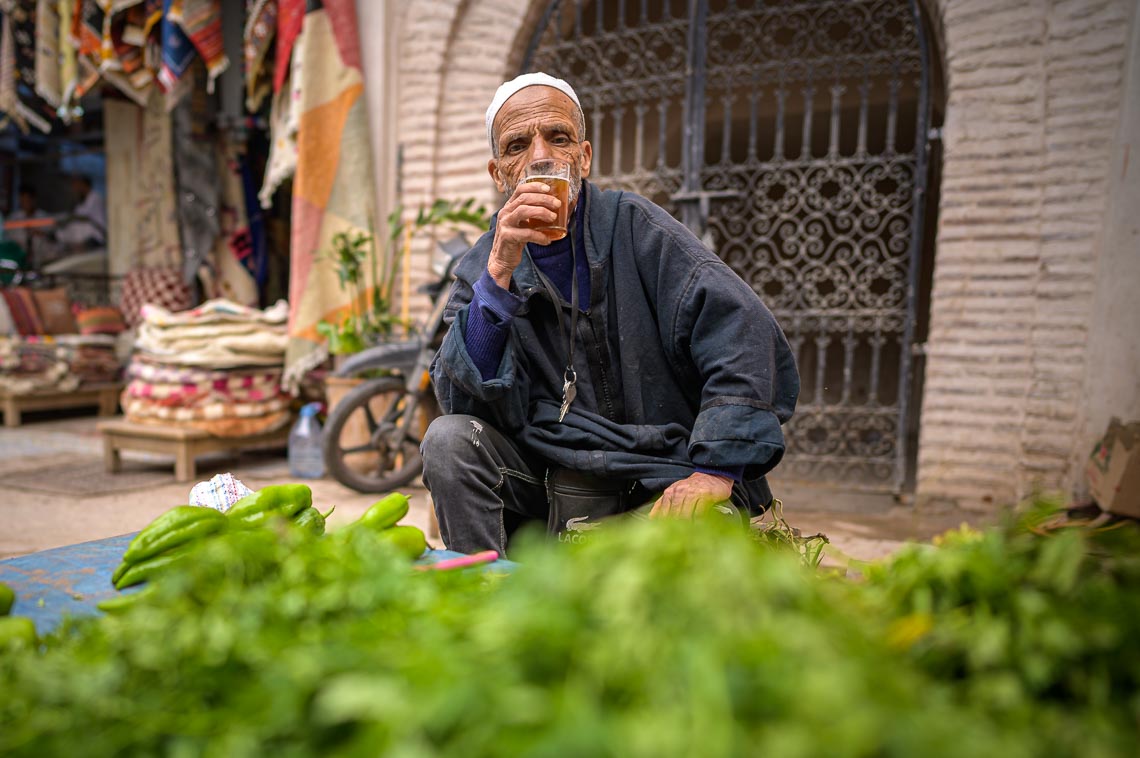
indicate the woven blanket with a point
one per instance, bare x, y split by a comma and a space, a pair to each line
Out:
332, 191
87, 28
191, 336
32, 365
159, 373
284, 116
177, 50
143, 407
30, 105
265, 349
224, 427
257, 38
68, 68
8, 98
184, 395
225, 276
290, 20
47, 52
200, 24
215, 312
196, 169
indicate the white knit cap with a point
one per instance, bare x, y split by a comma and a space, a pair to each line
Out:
506, 89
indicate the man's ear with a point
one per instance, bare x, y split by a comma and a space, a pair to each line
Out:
496, 175
587, 158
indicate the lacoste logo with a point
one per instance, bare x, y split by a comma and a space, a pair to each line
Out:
579, 524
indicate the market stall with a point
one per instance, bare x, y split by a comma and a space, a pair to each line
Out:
650, 638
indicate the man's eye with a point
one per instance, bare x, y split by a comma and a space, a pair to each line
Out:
516, 147
560, 140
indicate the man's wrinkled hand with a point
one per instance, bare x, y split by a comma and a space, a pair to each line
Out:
532, 202
692, 497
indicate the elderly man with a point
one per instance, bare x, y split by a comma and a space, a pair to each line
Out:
591, 375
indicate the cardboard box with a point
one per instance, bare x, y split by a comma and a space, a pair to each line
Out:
1113, 469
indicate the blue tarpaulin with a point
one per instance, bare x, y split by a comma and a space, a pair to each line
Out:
73, 579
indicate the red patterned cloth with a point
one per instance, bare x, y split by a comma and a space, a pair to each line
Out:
161, 285
201, 20
22, 307
290, 16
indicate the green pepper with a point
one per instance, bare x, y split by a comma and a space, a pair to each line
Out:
17, 631
121, 603
177, 526
385, 512
7, 598
285, 500
146, 570
409, 540
312, 520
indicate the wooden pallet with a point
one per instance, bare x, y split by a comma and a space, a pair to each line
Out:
105, 395
185, 444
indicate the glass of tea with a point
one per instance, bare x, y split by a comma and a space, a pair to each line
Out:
555, 174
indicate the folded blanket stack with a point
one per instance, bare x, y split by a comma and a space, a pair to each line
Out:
59, 363
216, 367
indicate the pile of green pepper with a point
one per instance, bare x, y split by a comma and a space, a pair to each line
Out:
14, 630
172, 537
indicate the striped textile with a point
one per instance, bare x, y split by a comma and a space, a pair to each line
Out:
201, 22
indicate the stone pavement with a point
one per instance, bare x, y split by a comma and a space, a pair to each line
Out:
33, 517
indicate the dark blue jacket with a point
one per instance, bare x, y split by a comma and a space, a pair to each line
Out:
678, 361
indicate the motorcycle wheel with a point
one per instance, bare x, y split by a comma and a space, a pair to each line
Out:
387, 459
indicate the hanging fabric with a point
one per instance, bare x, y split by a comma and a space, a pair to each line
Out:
290, 16
332, 190
177, 50
254, 256
68, 66
47, 53
201, 23
142, 208
227, 276
283, 118
8, 100
257, 39
30, 105
196, 177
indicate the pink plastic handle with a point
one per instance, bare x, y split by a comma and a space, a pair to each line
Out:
486, 556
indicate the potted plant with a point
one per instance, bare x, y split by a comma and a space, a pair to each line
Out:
371, 318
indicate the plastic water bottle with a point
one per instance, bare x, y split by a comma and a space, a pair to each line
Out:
305, 458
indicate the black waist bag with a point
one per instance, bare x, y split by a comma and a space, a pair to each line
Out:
578, 502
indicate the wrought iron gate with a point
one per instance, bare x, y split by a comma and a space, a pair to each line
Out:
790, 136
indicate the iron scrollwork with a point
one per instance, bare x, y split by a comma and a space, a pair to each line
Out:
811, 116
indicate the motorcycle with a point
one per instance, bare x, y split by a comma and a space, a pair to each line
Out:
396, 407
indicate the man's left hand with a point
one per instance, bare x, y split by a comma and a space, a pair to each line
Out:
692, 496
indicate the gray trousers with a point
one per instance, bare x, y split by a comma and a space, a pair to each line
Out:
483, 487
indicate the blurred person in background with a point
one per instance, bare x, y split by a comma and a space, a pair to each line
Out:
36, 242
85, 228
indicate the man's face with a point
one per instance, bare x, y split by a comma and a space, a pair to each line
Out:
538, 122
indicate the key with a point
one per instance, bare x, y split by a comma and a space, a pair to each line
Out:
569, 392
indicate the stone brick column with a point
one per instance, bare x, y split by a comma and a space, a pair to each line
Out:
1033, 93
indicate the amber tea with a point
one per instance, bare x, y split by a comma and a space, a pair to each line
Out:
556, 174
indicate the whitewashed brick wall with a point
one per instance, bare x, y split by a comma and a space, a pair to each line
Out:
1033, 94
454, 54
1033, 91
